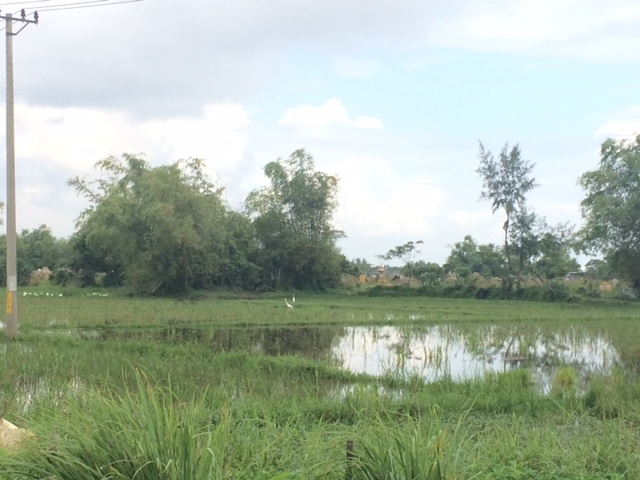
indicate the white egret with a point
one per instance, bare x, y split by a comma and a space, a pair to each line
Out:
288, 304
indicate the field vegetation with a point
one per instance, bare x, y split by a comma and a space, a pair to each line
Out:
117, 387
180, 358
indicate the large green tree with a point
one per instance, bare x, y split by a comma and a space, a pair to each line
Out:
611, 208
36, 249
506, 182
160, 229
467, 257
429, 273
540, 250
554, 248
598, 269
39, 248
293, 220
523, 242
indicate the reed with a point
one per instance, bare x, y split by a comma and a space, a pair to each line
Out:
143, 434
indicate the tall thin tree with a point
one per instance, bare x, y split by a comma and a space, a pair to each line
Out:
505, 182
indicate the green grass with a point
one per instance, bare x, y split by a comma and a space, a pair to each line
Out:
159, 388
75, 309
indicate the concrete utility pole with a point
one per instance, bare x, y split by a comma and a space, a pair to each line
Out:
12, 274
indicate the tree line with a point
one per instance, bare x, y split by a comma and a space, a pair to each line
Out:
534, 249
167, 229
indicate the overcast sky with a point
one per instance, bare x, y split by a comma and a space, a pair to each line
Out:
391, 97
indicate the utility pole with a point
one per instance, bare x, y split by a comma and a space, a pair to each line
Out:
12, 274
12, 270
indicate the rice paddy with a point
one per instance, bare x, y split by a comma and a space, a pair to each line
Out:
339, 386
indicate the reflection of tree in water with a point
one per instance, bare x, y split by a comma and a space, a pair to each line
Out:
312, 342
429, 350
537, 346
466, 351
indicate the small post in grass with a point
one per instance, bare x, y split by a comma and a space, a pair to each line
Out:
348, 472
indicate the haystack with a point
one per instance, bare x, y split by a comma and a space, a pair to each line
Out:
12, 436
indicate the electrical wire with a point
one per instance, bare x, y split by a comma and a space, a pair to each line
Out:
64, 6
23, 3
46, 7
53, 9
73, 6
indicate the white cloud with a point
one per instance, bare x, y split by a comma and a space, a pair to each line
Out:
623, 124
424, 62
356, 68
368, 123
619, 129
469, 221
75, 138
216, 137
231, 53
575, 28
375, 200
329, 113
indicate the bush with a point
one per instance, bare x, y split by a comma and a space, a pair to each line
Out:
554, 292
62, 277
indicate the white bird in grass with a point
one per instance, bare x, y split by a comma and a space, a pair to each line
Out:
293, 300
288, 304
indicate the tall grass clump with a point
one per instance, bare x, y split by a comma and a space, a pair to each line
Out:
565, 381
142, 433
417, 449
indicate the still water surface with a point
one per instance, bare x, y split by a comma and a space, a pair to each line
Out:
431, 352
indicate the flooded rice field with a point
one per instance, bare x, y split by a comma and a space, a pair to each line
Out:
432, 352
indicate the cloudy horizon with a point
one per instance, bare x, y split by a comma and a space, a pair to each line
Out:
391, 97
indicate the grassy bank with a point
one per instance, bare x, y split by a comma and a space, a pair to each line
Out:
76, 309
138, 388
490, 428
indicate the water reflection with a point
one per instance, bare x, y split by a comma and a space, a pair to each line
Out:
445, 351
432, 352
312, 342
30, 393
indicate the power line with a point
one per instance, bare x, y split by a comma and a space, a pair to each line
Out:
23, 3
46, 7
66, 6
85, 2
55, 8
